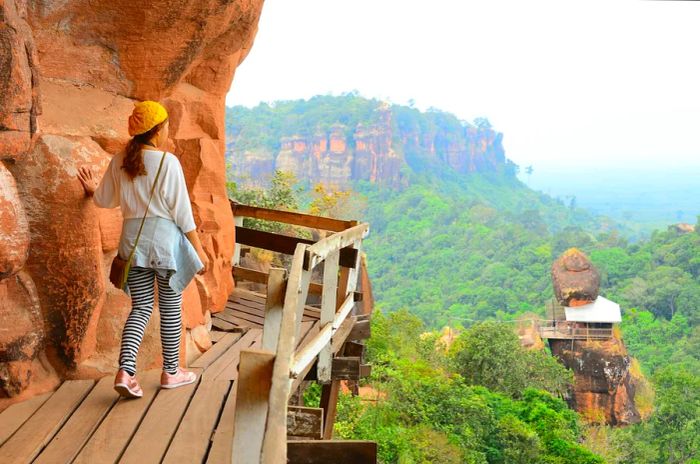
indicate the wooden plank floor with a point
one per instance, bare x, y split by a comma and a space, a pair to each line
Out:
246, 309
86, 421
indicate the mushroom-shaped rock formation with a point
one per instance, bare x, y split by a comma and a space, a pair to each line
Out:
604, 388
576, 281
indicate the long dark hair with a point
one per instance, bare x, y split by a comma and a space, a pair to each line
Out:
133, 159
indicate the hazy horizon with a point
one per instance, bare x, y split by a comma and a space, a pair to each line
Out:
568, 84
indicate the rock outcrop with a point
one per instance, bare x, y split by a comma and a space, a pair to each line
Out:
376, 150
69, 73
604, 388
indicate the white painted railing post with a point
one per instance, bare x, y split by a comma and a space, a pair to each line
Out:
354, 273
328, 306
274, 447
238, 220
274, 306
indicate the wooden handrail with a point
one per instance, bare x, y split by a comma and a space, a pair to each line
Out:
578, 333
289, 217
260, 277
341, 254
304, 358
285, 244
338, 241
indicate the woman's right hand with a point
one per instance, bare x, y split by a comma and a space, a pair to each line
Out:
205, 260
193, 237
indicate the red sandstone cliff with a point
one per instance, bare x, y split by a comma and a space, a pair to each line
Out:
377, 150
69, 72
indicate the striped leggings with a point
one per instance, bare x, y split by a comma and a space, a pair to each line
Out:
141, 286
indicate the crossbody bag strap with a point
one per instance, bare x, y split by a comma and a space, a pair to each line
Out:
153, 189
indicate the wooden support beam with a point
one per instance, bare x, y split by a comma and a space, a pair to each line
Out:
361, 331
346, 368
251, 275
365, 286
332, 451
341, 335
354, 349
365, 370
274, 305
253, 391
329, 403
305, 422
342, 291
288, 217
285, 244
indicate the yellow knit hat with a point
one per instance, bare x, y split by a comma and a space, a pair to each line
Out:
147, 114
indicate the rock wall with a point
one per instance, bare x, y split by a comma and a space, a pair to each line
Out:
375, 151
604, 388
69, 73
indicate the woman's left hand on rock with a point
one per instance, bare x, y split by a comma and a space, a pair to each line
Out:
88, 179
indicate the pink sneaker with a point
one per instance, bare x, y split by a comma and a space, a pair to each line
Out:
180, 378
127, 385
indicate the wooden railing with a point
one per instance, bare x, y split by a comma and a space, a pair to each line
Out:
268, 377
570, 331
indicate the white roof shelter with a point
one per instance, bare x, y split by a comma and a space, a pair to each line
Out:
601, 310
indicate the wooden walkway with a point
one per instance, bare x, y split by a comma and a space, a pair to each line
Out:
86, 422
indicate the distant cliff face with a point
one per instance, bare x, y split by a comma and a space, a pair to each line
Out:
377, 148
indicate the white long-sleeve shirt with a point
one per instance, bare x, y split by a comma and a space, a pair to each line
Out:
170, 200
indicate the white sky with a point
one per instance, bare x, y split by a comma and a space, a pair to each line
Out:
568, 83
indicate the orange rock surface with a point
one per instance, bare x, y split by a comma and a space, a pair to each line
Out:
604, 388
69, 73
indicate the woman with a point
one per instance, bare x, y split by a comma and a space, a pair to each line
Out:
162, 252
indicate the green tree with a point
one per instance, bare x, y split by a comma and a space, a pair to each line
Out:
282, 194
676, 421
490, 354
